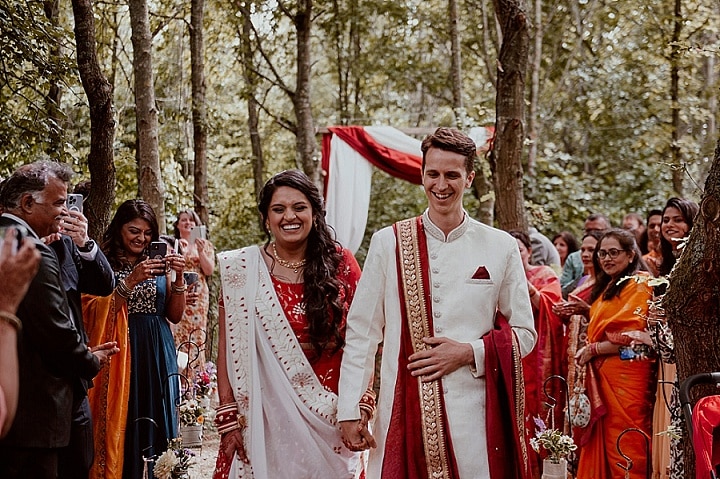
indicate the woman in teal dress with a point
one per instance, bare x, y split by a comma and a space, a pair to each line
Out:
154, 295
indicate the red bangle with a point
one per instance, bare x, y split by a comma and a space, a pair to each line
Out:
593, 349
367, 403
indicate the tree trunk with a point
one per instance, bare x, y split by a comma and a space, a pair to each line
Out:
52, 99
456, 65
510, 114
102, 123
678, 172
199, 112
692, 302
306, 145
535, 89
253, 106
150, 181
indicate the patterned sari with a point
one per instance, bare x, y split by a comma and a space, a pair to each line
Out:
547, 359
285, 392
626, 388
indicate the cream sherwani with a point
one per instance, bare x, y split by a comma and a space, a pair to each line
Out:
463, 309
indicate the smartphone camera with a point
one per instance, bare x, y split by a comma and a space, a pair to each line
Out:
191, 277
74, 202
158, 250
633, 353
20, 233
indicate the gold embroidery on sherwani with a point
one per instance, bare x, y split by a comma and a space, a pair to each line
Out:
411, 272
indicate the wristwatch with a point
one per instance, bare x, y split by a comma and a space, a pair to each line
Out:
87, 247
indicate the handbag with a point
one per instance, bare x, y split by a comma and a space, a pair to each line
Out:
579, 404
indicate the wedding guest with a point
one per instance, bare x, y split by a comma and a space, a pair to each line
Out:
622, 392
565, 244
133, 405
18, 266
199, 255
653, 259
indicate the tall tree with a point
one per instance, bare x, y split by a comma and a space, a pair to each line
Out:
535, 65
677, 124
302, 102
253, 106
150, 182
102, 123
54, 94
692, 302
456, 64
510, 114
199, 110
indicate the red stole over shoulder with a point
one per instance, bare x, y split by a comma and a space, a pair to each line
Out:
418, 443
505, 403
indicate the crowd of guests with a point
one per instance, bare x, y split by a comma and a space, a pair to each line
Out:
67, 410
90, 332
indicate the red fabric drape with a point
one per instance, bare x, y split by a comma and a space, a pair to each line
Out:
396, 163
706, 426
505, 451
404, 456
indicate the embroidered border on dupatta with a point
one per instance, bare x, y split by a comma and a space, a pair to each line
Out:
411, 245
277, 329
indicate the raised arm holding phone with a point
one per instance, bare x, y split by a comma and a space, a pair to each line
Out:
199, 255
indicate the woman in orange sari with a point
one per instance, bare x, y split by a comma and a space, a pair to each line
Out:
547, 358
622, 391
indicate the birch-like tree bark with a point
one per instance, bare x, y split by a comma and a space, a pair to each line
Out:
150, 182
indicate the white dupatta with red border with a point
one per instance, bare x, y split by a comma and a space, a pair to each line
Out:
291, 418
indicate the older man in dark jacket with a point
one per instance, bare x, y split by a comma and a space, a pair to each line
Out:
53, 358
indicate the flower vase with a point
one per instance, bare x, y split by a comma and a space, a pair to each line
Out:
191, 435
552, 470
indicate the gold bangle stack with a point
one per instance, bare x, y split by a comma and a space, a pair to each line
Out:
178, 289
123, 290
11, 319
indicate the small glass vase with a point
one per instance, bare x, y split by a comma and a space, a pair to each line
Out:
192, 435
552, 470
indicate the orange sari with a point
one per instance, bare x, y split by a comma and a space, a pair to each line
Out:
110, 393
627, 390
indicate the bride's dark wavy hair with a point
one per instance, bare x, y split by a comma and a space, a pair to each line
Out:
323, 257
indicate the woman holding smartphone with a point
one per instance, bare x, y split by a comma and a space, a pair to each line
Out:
199, 255
133, 401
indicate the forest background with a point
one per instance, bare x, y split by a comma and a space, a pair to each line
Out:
599, 106
621, 97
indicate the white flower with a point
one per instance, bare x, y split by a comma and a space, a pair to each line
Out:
165, 465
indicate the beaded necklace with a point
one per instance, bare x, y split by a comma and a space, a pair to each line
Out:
289, 265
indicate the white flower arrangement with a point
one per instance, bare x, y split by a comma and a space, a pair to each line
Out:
174, 462
555, 444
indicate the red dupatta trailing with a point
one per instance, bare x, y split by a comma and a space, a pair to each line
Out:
418, 444
505, 404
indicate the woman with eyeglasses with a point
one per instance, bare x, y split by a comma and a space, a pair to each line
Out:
620, 382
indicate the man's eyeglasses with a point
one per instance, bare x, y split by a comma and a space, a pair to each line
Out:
612, 252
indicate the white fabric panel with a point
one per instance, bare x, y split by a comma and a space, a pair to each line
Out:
348, 193
395, 139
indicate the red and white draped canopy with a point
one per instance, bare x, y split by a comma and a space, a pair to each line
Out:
348, 155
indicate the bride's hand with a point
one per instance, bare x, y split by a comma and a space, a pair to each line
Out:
232, 443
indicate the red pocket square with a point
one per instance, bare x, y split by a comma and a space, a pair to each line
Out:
481, 273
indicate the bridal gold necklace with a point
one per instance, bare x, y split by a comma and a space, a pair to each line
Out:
288, 264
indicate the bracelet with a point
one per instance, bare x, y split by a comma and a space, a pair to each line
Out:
594, 349
367, 403
178, 289
123, 290
11, 319
227, 418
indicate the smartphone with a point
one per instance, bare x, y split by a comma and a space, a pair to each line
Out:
631, 353
158, 250
198, 232
191, 277
20, 233
74, 202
